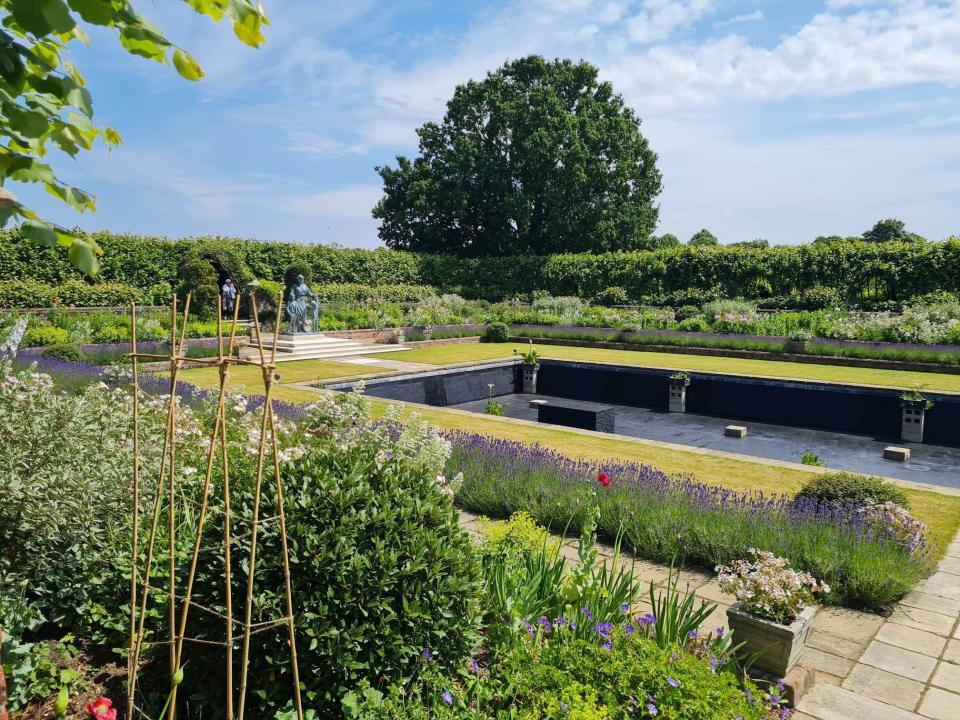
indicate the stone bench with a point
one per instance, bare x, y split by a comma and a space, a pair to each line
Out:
586, 416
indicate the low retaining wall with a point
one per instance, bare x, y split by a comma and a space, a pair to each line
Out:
751, 354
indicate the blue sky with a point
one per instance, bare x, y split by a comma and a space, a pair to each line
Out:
783, 120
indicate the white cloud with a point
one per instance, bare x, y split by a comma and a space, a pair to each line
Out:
347, 202
322, 147
742, 18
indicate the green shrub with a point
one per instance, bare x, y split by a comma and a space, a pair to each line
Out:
846, 488
685, 312
694, 324
381, 569
497, 332
39, 335
111, 334
64, 351
612, 296
22, 293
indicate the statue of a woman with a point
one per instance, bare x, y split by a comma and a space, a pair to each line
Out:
297, 306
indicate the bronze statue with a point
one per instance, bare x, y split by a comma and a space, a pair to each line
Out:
299, 301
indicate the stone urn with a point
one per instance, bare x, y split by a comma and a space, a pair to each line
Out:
530, 378
427, 331
780, 645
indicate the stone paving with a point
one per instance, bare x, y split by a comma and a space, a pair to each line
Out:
903, 667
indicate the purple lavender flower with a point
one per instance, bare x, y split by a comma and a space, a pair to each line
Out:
447, 698
672, 683
427, 655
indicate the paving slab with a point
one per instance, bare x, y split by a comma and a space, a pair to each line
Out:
899, 661
825, 662
952, 653
883, 686
934, 603
926, 620
947, 676
829, 702
942, 584
711, 591
919, 641
834, 645
849, 624
940, 705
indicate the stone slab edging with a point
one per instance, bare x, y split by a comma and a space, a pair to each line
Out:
752, 355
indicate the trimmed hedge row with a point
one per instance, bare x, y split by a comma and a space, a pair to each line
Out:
878, 272
32, 293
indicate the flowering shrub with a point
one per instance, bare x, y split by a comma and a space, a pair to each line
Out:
663, 518
768, 588
892, 521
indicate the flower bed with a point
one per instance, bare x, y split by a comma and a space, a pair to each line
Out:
666, 519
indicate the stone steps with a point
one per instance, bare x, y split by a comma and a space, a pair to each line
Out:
313, 347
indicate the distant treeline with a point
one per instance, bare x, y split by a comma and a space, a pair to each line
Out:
849, 270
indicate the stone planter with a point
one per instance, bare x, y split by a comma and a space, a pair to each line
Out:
911, 423
781, 645
678, 395
427, 333
795, 346
530, 378
398, 337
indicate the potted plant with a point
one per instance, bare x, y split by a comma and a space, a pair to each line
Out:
797, 341
914, 406
679, 382
531, 366
774, 609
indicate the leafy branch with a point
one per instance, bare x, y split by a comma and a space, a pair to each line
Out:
44, 101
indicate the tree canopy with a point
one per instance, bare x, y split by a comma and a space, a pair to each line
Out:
703, 237
45, 104
539, 157
891, 230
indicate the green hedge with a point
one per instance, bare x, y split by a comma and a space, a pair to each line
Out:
33, 293
861, 271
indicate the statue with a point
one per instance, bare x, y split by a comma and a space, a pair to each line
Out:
299, 301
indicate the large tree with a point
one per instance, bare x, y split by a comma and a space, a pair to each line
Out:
539, 157
45, 104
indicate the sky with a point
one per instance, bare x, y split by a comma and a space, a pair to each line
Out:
782, 120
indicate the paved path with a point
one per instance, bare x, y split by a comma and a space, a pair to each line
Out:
904, 667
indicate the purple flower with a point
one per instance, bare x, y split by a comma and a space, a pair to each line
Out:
586, 612
646, 620
447, 698
629, 630
427, 655
672, 683
603, 629
607, 646
652, 709
625, 607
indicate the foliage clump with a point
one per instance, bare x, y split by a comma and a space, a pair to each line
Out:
846, 488
496, 332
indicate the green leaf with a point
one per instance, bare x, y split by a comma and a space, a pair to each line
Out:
39, 232
211, 8
96, 12
30, 16
112, 137
81, 99
144, 43
25, 169
57, 14
187, 66
83, 257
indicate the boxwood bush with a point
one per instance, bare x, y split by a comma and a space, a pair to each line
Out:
497, 332
846, 488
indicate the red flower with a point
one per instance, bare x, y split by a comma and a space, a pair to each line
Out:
604, 479
100, 708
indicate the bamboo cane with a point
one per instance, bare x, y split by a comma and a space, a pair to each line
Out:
134, 541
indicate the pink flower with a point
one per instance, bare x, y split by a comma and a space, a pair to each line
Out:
604, 479
100, 708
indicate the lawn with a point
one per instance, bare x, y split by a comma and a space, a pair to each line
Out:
451, 354
248, 377
940, 512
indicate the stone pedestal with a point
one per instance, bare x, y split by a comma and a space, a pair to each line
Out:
530, 379
779, 645
911, 424
678, 397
